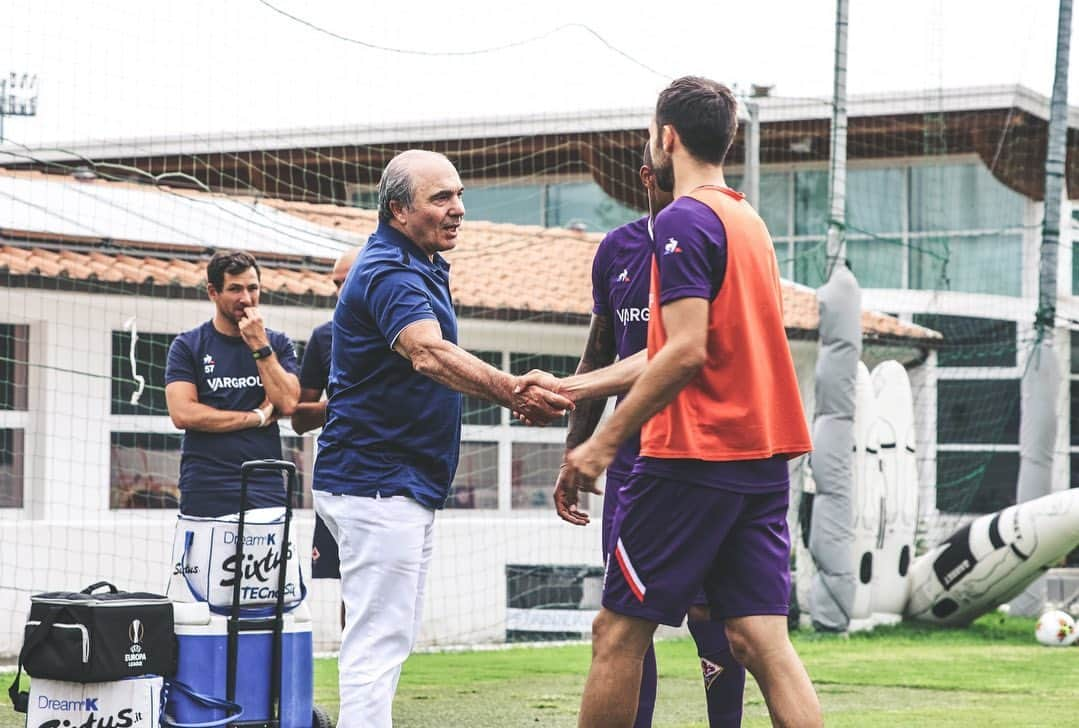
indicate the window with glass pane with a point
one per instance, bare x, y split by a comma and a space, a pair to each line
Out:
478, 411
811, 202
810, 262
365, 197
877, 263
975, 264
972, 342
12, 457
586, 203
978, 411
557, 364
145, 470
1075, 268
976, 482
151, 354
962, 196
518, 204
1073, 390
784, 259
476, 483
14, 358
774, 208
534, 469
875, 200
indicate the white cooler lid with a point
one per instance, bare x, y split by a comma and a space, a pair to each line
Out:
196, 614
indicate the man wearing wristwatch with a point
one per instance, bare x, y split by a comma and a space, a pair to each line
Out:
226, 384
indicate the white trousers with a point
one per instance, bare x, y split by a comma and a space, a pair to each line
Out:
385, 548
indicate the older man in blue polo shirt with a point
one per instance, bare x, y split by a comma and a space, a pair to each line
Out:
388, 452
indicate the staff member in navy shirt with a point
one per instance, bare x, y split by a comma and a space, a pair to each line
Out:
226, 384
388, 451
310, 414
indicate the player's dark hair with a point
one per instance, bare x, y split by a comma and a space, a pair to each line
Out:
703, 112
232, 262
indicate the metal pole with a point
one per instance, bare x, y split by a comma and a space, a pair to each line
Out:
752, 183
1040, 385
837, 193
1055, 156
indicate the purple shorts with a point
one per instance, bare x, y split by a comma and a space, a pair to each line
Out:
670, 541
611, 491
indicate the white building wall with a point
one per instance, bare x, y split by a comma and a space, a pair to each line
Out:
67, 536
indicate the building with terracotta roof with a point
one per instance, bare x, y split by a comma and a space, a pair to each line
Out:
943, 216
99, 276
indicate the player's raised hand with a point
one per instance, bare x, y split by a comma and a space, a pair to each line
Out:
252, 328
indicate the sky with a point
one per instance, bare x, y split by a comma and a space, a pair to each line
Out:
121, 69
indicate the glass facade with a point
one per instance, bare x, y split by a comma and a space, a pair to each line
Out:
947, 227
581, 204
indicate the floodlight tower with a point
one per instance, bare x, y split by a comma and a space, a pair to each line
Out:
18, 97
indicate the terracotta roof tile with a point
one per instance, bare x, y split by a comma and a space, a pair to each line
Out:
495, 266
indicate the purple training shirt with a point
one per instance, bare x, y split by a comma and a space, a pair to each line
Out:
620, 281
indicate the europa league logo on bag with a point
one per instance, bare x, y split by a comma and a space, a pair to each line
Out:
135, 656
135, 631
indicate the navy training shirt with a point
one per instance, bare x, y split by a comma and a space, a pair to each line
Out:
315, 369
226, 377
389, 429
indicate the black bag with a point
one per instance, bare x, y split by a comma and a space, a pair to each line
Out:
88, 638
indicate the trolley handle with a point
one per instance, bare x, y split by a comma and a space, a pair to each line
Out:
251, 466
269, 465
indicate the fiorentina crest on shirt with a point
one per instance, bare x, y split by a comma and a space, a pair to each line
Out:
710, 671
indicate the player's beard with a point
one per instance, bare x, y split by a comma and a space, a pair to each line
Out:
664, 172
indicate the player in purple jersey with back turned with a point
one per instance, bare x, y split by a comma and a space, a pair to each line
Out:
720, 413
620, 286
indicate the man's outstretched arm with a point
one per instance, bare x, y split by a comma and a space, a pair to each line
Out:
445, 362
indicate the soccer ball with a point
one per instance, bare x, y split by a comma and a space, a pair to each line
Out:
1056, 629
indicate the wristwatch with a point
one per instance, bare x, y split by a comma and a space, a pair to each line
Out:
262, 353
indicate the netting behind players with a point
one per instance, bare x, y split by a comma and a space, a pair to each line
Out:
105, 242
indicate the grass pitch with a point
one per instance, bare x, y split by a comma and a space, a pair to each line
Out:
991, 674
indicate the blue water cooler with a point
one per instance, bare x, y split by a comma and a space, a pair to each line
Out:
203, 666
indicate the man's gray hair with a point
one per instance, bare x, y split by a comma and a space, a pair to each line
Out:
395, 186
